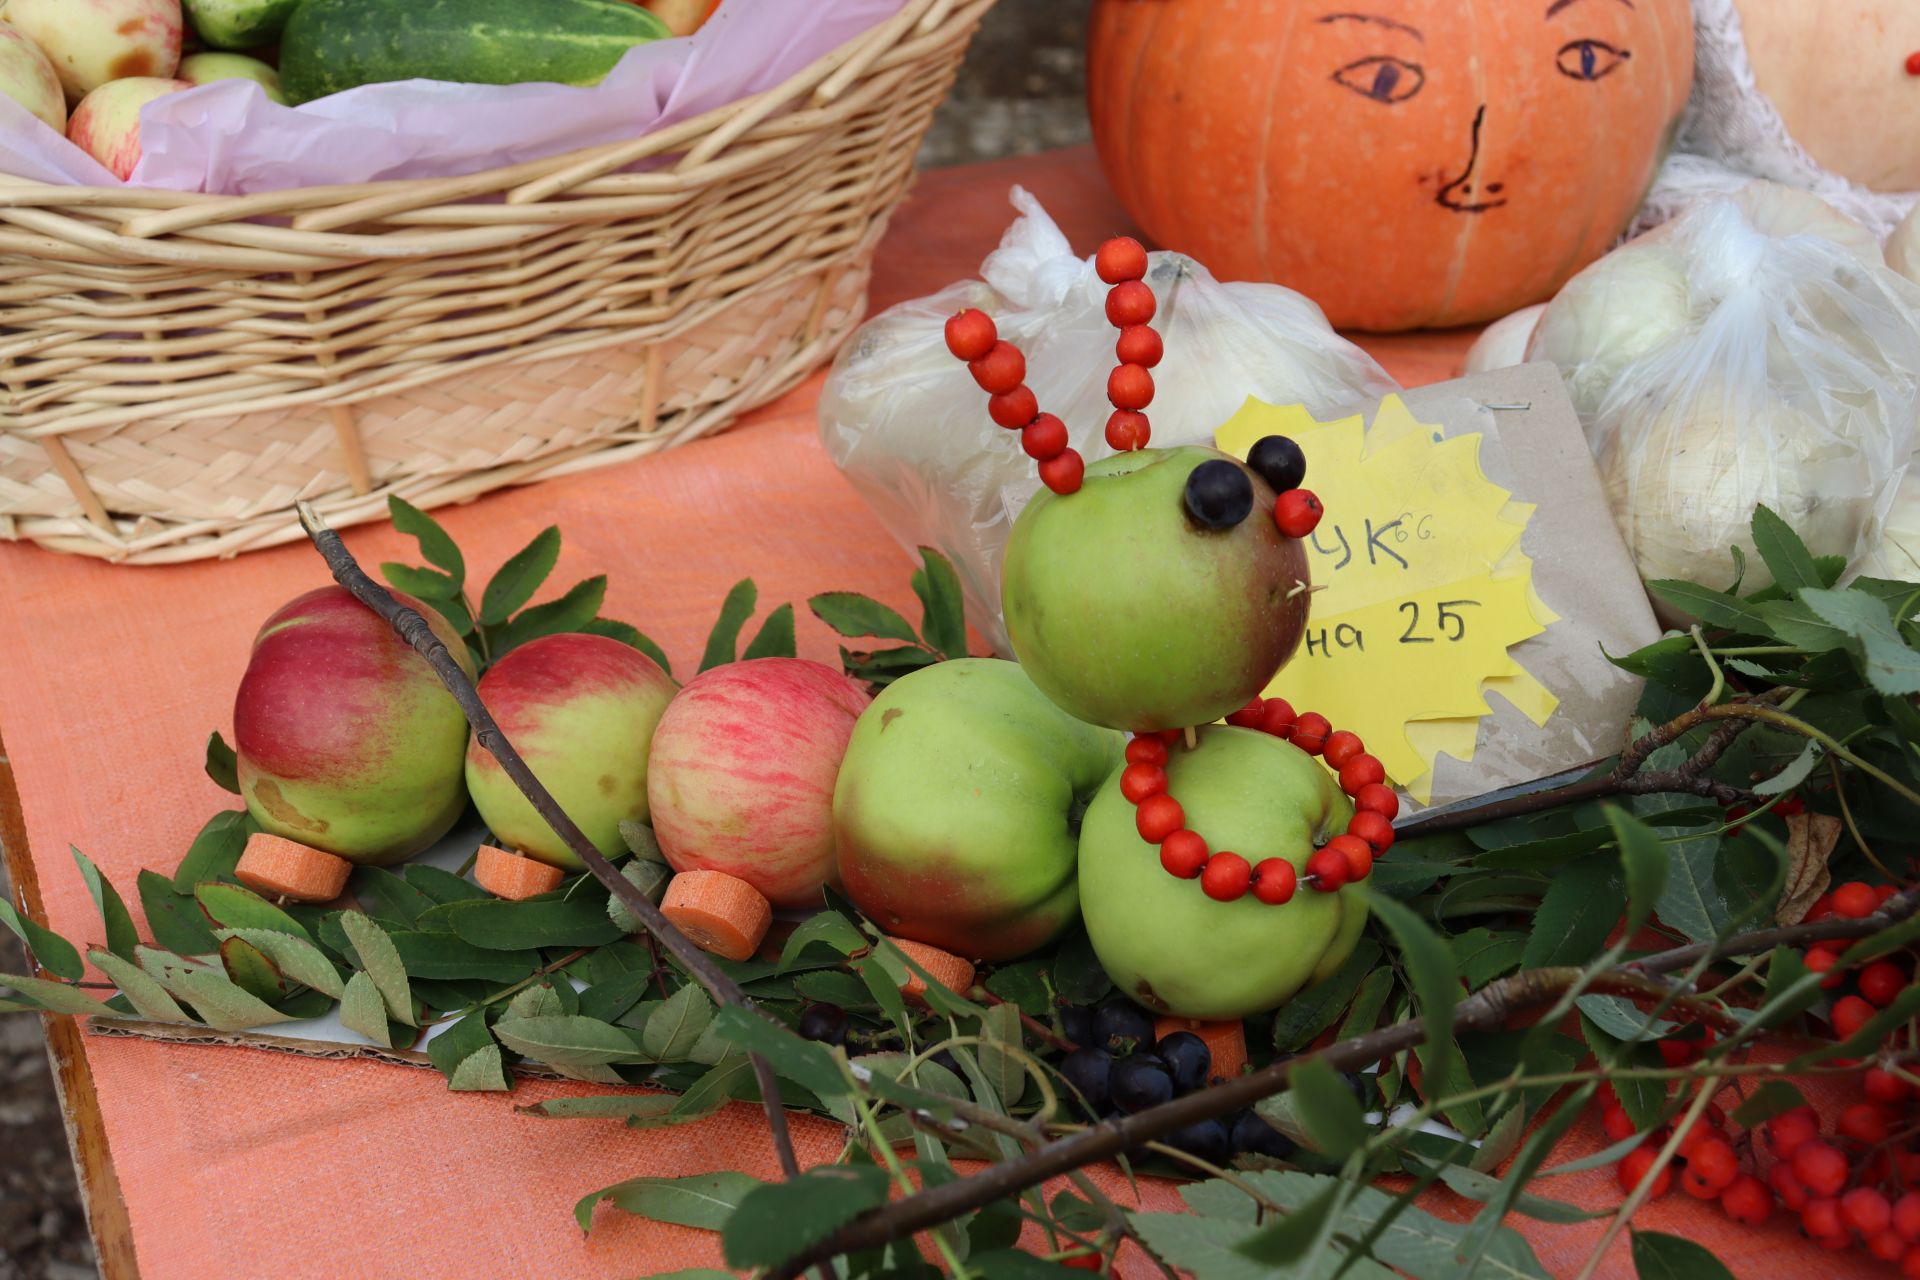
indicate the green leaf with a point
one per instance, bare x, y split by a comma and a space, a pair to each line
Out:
1483, 955
295, 957
640, 841
148, 998
809, 1065
364, 1010
517, 926
222, 765
1319, 1006
1204, 1248
1576, 915
442, 886
443, 957
1287, 1237
435, 544
215, 850
545, 999
1014, 1264
1004, 1069
1793, 775
943, 623
1692, 901
1328, 1110
776, 1220
1658, 1256
1772, 1098
854, 615
628, 634
829, 928
174, 918
388, 898
382, 963
614, 1106
726, 1080
54, 997
775, 639
567, 1040
650, 878
1643, 861
1429, 964
734, 612
50, 951
1077, 974
455, 612
1890, 665
704, 1200
516, 581
220, 1003
1715, 608
570, 612
480, 1072
234, 907
1475, 1185
887, 665
674, 1028
1623, 1019
1863, 1042
1786, 557
251, 971
1485, 1230
429, 585
1792, 622
466, 1037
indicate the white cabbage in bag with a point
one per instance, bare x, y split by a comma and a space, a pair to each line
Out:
1753, 350
906, 423
1503, 344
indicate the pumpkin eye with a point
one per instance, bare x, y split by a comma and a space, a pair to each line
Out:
1589, 59
1382, 78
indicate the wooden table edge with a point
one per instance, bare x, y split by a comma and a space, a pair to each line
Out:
100, 1198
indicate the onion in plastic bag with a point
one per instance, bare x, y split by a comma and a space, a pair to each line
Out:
1503, 344
1753, 350
907, 425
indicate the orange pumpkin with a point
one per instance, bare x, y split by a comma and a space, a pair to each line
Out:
1403, 163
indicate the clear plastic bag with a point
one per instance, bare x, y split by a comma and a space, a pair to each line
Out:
1742, 353
906, 423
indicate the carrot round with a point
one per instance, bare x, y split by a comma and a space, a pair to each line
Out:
955, 974
276, 867
513, 877
1227, 1041
719, 913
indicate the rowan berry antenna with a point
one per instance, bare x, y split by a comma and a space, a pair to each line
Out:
1001, 371
1122, 263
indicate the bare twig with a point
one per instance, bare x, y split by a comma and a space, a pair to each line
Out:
415, 631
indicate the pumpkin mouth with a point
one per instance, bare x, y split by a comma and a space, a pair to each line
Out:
1460, 194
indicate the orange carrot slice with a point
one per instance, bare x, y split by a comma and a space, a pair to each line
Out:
718, 912
513, 876
276, 867
954, 973
1227, 1041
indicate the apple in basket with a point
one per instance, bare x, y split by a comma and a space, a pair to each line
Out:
106, 124
91, 42
27, 77
205, 68
683, 17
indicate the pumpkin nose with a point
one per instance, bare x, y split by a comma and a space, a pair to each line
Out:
1470, 192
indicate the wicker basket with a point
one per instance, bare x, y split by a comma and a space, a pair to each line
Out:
180, 368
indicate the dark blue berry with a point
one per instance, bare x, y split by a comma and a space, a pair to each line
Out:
1139, 1082
1219, 494
826, 1023
1188, 1060
1120, 1025
1253, 1136
1076, 1024
1087, 1071
1279, 462
1204, 1139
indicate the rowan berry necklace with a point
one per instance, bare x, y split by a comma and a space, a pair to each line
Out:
1218, 495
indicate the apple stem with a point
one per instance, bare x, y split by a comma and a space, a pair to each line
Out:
414, 629
1193, 739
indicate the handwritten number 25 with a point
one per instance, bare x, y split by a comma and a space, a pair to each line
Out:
1449, 622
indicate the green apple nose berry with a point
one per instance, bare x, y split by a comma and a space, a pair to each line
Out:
1279, 462
1219, 495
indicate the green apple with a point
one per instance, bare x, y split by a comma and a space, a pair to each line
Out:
205, 68
1163, 941
1129, 614
958, 805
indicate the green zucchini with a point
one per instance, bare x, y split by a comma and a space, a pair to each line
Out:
333, 45
239, 24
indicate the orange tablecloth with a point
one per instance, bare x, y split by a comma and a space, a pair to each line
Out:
234, 1162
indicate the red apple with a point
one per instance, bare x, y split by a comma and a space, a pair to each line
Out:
27, 77
742, 770
106, 124
91, 42
683, 17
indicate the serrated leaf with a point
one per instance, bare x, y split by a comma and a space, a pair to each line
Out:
1622, 1019
435, 543
388, 898
382, 963
572, 611
455, 612
441, 886
251, 971
364, 1010
1077, 974
1772, 1098
480, 1072
465, 1037
677, 1025
726, 1080
1792, 622
216, 850
807, 1064
1643, 861
222, 765
617, 1106
628, 634
1328, 1110
1888, 662
1715, 608
1475, 1184
295, 957
443, 957
1658, 1256
1871, 1034
1692, 900
649, 878
1287, 1237
1576, 915
516, 580
640, 841
1793, 775
567, 1040
1312, 1011
734, 612
148, 998
776, 1220
221, 1004
1204, 1248
429, 585
54, 997
175, 919
1483, 955
114, 917
828, 928
887, 665
234, 907
1004, 1070
704, 1200
943, 622
544, 999
1786, 557
518, 926
1429, 965
611, 998
853, 615
50, 951
775, 638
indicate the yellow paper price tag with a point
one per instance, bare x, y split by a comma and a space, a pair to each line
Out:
1420, 586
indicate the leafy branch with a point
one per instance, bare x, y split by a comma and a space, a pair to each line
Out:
942, 633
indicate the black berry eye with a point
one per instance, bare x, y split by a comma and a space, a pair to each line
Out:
1279, 462
1219, 494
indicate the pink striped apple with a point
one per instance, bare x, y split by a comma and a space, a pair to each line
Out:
580, 709
27, 77
346, 739
742, 771
91, 42
106, 124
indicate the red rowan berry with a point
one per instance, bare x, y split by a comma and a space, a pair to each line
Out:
1866, 1211
1747, 1200
1633, 1171
1820, 1168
